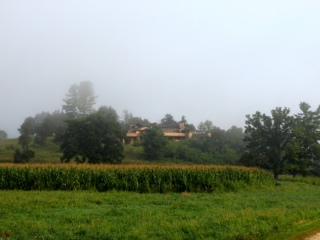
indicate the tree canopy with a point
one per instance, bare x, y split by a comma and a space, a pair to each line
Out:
93, 139
304, 147
168, 119
283, 142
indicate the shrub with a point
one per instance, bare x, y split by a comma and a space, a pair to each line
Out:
23, 156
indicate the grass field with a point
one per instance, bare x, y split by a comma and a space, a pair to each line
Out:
278, 212
251, 208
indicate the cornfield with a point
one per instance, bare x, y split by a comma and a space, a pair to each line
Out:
143, 179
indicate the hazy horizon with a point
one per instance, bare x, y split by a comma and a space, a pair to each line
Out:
202, 59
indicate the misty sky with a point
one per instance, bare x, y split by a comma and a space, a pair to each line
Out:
216, 60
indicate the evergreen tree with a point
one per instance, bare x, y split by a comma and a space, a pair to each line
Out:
79, 100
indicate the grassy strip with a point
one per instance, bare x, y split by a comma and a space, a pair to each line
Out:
143, 179
275, 213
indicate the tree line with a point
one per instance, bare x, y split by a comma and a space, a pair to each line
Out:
280, 142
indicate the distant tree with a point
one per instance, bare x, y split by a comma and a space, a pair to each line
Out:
44, 130
218, 139
48, 125
205, 126
128, 119
59, 124
86, 98
154, 143
71, 102
267, 139
38, 119
183, 120
234, 139
108, 112
3, 135
26, 131
186, 124
168, 119
93, 139
79, 100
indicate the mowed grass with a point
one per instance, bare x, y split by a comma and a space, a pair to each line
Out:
278, 212
50, 153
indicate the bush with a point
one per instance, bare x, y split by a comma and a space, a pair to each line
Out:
23, 156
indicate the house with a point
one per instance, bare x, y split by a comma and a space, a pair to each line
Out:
175, 132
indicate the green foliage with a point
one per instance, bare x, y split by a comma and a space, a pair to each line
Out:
128, 119
267, 138
134, 151
304, 147
96, 139
48, 125
283, 143
154, 143
26, 130
23, 156
205, 126
168, 119
137, 179
205, 150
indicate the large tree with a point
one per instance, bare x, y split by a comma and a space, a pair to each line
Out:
267, 139
93, 139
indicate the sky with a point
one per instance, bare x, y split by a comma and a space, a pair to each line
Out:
207, 60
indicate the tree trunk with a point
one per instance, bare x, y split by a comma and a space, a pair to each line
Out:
276, 171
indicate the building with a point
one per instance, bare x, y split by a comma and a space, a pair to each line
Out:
175, 132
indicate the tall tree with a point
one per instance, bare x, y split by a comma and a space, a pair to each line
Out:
79, 100
71, 102
267, 139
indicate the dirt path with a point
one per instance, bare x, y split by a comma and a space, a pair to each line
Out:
314, 237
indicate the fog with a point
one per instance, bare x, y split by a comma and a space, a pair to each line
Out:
216, 60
